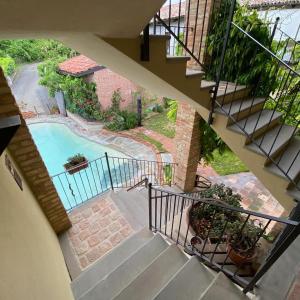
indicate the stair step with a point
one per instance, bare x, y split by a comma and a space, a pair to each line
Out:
205, 84
159, 36
288, 161
250, 124
150, 282
188, 283
194, 73
282, 133
220, 288
110, 261
295, 192
176, 59
124, 274
237, 107
226, 88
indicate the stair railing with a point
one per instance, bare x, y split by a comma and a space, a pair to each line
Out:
203, 227
280, 99
108, 173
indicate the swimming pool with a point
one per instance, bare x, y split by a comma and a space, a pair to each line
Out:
56, 143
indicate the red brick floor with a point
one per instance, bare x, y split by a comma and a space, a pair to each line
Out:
98, 226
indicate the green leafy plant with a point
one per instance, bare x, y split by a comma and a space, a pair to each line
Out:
210, 218
8, 65
80, 96
178, 47
243, 238
75, 160
168, 173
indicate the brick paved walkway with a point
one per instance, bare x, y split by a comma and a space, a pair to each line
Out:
98, 226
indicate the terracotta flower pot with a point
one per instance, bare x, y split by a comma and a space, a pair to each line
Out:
237, 257
77, 168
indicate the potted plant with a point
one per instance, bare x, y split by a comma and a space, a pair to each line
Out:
243, 240
76, 163
210, 219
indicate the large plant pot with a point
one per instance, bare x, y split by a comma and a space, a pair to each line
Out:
238, 258
77, 168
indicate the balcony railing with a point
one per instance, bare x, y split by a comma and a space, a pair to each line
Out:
109, 173
204, 227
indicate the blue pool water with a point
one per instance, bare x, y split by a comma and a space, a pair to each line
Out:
56, 143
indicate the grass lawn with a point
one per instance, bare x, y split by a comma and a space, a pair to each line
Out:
227, 163
159, 122
158, 145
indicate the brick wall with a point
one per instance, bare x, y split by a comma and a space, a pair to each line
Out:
203, 21
107, 82
187, 141
28, 159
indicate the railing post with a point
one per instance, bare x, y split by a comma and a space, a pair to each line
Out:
145, 55
109, 173
150, 204
274, 30
218, 75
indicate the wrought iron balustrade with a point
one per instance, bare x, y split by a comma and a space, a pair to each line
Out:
170, 214
109, 173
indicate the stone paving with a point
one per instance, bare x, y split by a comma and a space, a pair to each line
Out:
97, 227
255, 196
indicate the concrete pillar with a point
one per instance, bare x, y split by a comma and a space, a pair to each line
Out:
187, 141
199, 19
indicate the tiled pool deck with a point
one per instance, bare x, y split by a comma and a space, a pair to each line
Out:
97, 227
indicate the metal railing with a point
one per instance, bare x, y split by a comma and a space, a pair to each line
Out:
203, 227
271, 101
108, 173
187, 27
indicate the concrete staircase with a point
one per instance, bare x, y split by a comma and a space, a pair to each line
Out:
237, 105
145, 266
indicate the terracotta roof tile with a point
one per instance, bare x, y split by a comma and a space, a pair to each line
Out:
262, 3
78, 66
164, 11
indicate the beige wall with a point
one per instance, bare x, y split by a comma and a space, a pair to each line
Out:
31, 262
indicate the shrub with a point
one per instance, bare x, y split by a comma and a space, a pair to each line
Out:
8, 65
123, 120
157, 108
80, 96
24, 51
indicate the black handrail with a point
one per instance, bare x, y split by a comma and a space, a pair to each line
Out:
166, 215
265, 49
108, 173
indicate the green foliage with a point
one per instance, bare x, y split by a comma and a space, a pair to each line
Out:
158, 145
160, 123
26, 51
173, 108
157, 108
8, 65
210, 142
168, 173
122, 120
227, 163
116, 101
178, 47
241, 52
80, 96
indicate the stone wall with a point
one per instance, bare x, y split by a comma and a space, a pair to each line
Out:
30, 163
187, 141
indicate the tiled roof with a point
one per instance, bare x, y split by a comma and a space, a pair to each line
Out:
78, 66
268, 3
164, 11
